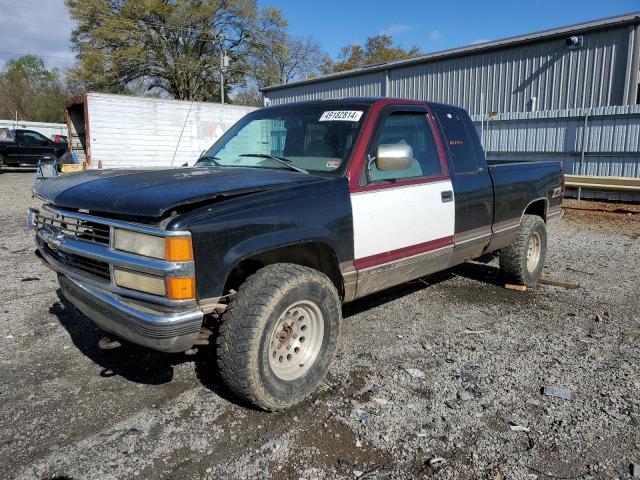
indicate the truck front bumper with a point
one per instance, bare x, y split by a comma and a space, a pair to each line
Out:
166, 331
69, 243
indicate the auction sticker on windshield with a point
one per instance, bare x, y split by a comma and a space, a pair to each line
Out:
343, 115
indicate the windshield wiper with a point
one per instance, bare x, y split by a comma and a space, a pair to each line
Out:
283, 161
210, 157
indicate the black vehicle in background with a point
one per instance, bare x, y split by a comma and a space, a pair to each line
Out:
20, 147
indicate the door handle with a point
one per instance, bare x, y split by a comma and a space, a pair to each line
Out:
447, 196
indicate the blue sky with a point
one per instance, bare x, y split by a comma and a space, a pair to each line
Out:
43, 27
434, 26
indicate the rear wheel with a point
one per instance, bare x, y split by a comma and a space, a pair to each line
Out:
522, 261
279, 335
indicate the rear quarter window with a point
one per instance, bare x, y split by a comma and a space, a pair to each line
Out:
461, 150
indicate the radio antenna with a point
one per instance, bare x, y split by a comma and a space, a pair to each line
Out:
180, 138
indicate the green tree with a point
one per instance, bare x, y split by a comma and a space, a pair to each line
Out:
169, 46
377, 49
30, 90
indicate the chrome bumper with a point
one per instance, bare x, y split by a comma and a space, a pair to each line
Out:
148, 320
165, 331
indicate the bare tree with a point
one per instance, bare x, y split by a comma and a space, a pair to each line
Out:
283, 61
304, 60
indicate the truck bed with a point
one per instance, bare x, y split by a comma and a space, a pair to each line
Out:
516, 184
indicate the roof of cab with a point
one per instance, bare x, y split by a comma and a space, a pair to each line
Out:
361, 101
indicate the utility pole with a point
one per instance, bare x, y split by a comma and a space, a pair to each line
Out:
224, 68
221, 79
224, 62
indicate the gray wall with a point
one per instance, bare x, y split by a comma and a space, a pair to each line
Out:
611, 146
602, 141
507, 77
370, 85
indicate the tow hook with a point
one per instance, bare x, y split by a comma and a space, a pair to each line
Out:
204, 336
106, 343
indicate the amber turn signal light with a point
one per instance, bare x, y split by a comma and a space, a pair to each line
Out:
178, 249
181, 288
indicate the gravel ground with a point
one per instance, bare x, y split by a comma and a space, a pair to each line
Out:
439, 378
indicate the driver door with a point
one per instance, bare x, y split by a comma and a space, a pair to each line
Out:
33, 145
403, 220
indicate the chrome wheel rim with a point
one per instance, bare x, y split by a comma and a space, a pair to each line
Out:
533, 251
296, 339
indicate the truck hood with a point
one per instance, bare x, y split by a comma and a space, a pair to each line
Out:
151, 193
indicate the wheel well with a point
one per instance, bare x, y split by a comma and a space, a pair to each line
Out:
316, 255
537, 207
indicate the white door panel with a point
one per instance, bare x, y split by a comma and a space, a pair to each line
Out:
398, 217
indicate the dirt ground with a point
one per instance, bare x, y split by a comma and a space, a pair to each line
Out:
440, 378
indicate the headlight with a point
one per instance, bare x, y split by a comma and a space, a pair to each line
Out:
140, 282
174, 288
175, 249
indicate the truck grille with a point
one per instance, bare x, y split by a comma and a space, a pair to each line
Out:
72, 227
94, 267
78, 245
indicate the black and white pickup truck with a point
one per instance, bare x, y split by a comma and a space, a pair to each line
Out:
296, 210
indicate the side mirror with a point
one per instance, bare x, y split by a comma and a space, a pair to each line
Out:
396, 156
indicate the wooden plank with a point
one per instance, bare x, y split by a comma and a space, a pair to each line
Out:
519, 288
557, 283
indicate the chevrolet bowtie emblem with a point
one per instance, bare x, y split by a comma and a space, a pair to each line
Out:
55, 241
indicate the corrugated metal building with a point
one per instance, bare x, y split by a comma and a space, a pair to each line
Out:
601, 141
569, 94
594, 64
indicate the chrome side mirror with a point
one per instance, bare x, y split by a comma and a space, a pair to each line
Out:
395, 156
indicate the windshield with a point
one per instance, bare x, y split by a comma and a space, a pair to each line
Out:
316, 138
6, 135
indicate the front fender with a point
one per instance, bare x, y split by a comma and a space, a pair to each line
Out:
270, 241
226, 233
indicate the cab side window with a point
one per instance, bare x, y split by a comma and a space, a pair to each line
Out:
462, 154
33, 138
410, 129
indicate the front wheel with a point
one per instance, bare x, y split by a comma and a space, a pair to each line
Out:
279, 335
522, 260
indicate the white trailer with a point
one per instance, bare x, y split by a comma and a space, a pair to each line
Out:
119, 131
